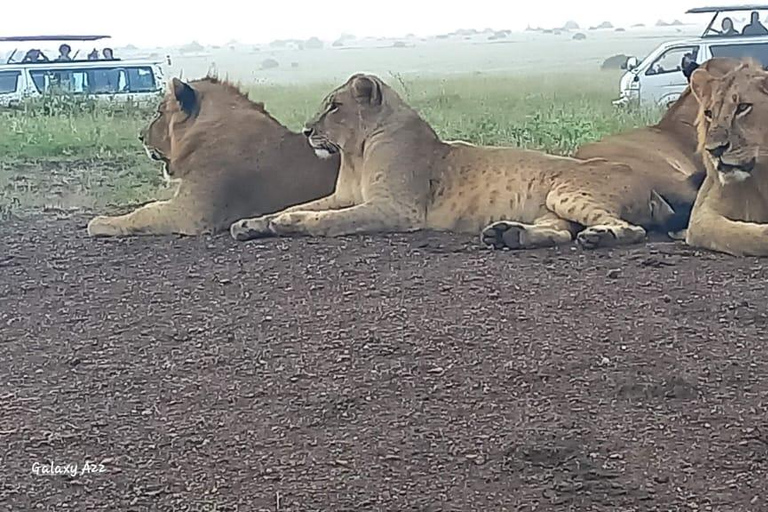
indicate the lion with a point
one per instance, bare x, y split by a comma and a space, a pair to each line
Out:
666, 152
730, 214
229, 159
397, 175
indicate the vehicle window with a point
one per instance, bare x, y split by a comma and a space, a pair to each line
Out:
107, 80
758, 52
671, 60
9, 81
141, 79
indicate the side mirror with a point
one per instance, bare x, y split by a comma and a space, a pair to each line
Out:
631, 63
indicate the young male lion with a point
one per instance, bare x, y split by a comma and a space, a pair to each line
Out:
396, 175
231, 159
730, 214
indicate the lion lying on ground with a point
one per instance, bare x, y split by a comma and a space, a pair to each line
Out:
730, 214
231, 160
666, 153
396, 175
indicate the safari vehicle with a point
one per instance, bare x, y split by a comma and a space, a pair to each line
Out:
112, 79
659, 79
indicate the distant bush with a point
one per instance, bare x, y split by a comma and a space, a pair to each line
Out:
579, 37
269, 64
618, 61
192, 47
603, 25
313, 43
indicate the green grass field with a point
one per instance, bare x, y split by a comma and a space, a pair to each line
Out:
64, 155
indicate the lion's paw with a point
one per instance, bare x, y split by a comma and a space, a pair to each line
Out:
287, 223
503, 235
102, 226
248, 229
593, 237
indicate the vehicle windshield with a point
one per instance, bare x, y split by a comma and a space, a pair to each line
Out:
101, 80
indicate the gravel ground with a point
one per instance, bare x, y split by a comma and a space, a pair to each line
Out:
404, 373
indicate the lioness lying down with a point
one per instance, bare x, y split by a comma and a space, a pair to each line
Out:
396, 175
231, 159
730, 214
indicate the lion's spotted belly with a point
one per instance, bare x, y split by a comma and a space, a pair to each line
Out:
471, 208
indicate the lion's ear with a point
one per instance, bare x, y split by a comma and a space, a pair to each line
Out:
701, 84
184, 94
367, 89
763, 81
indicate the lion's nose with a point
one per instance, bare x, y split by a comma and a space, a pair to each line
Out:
307, 131
720, 150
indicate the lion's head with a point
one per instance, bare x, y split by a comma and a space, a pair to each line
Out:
175, 113
733, 111
348, 115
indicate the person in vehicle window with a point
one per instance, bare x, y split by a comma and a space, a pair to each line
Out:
108, 54
728, 29
94, 55
64, 51
688, 65
754, 28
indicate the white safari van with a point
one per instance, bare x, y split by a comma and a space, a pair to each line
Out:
30, 72
659, 79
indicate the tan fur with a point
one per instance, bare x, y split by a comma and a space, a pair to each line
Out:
665, 153
396, 175
730, 214
230, 159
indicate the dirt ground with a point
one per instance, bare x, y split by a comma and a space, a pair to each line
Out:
406, 373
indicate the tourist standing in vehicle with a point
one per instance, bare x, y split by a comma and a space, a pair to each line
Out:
728, 29
755, 28
64, 51
34, 55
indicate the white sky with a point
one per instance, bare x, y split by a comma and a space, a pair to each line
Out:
260, 21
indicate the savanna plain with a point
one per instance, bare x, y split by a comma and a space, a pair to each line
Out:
416, 372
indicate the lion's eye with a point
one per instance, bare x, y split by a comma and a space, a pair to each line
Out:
743, 108
708, 114
334, 107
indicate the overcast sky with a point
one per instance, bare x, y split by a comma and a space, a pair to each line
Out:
158, 22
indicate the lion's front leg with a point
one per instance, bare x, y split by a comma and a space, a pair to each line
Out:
158, 218
258, 227
367, 218
712, 231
